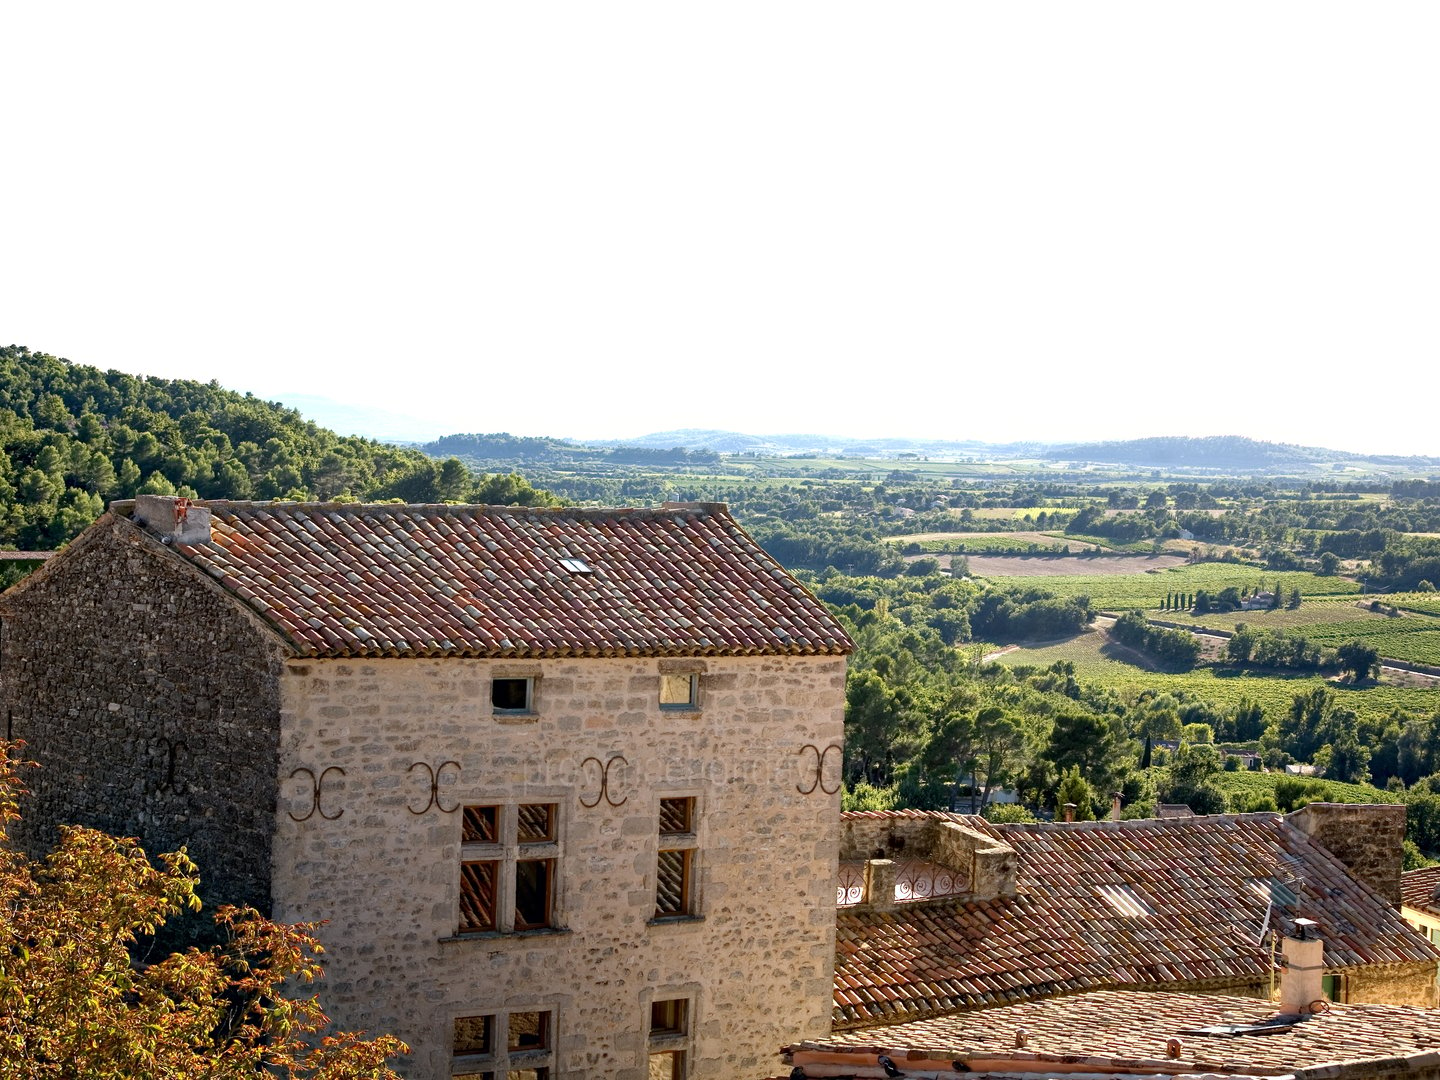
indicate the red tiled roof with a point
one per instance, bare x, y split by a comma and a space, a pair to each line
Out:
1203, 882
1104, 1032
1418, 889
394, 580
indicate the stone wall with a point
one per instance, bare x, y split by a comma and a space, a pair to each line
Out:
1392, 984
380, 757
151, 702
1369, 839
987, 864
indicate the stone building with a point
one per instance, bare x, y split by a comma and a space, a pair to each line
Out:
564, 783
943, 913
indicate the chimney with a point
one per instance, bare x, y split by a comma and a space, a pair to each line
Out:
1070, 811
1368, 839
1302, 984
1115, 806
174, 520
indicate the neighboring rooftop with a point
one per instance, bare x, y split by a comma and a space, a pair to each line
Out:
1179, 904
393, 580
1420, 889
1130, 1033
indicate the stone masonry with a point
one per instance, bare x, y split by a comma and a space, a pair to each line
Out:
152, 705
159, 704
755, 962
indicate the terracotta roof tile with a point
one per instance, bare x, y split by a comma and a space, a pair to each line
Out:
1418, 889
1113, 1030
394, 580
1204, 881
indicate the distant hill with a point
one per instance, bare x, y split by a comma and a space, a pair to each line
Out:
1227, 452
73, 437
735, 442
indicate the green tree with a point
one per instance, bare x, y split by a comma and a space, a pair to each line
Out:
1359, 660
1074, 790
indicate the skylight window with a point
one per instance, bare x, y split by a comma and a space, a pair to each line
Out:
1125, 900
577, 566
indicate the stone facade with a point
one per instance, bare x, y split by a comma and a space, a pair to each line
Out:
341, 790
378, 854
1368, 838
152, 705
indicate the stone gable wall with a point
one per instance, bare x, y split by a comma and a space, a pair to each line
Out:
1368, 838
398, 746
152, 706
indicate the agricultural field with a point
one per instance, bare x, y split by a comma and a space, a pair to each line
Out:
1246, 788
1147, 589
1098, 661
1134, 547
1423, 603
1057, 570
963, 543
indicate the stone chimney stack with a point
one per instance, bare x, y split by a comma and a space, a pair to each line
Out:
174, 520
1115, 806
1070, 811
1302, 983
1368, 838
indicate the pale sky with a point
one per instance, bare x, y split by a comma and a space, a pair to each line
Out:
996, 221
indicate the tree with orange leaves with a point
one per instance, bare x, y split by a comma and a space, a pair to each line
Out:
76, 1002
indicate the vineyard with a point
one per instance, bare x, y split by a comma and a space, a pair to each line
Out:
1094, 661
1147, 590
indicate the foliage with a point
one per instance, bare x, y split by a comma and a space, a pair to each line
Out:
1074, 791
1009, 813
73, 437
863, 796
1175, 649
1190, 779
79, 997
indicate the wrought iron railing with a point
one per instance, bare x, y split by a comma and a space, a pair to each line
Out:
851, 890
915, 879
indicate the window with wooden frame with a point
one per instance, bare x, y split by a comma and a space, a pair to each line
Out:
669, 1040
509, 853
512, 695
680, 692
675, 859
519, 1043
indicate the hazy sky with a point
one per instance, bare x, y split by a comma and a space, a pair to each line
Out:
998, 221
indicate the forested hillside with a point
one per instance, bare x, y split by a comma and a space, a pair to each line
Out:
74, 437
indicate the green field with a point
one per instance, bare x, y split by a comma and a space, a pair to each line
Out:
1316, 611
1221, 686
1246, 788
1425, 603
1147, 590
989, 543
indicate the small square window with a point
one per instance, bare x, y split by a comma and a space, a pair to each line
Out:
679, 691
529, 1031
537, 823
676, 815
667, 1065
479, 825
669, 1017
512, 695
474, 1034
